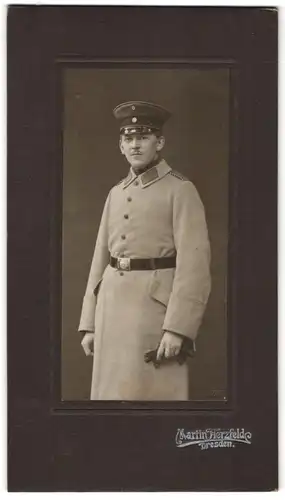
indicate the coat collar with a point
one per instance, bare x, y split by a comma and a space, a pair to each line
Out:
149, 177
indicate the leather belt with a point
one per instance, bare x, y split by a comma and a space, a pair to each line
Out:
127, 264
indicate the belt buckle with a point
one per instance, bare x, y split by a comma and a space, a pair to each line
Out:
124, 263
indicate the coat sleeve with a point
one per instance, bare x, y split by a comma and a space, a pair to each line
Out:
192, 280
99, 263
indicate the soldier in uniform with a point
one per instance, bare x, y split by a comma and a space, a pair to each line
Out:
149, 280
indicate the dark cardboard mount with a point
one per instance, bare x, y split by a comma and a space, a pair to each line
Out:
59, 446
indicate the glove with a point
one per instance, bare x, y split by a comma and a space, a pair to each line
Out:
187, 350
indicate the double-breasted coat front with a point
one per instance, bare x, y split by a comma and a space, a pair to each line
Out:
156, 214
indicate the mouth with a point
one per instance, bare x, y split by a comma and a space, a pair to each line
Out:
136, 154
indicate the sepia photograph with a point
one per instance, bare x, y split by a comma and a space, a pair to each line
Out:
145, 232
142, 248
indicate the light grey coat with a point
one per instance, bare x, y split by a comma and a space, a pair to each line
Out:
157, 214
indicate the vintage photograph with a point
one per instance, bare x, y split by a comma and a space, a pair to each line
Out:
145, 232
142, 242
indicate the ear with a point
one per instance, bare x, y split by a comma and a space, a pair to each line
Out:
160, 143
121, 146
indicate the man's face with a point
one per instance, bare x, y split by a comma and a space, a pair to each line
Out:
139, 149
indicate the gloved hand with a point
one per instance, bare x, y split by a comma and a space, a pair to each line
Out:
187, 350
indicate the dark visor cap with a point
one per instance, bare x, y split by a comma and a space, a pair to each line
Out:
139, 117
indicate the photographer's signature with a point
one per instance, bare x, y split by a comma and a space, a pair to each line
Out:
212, 438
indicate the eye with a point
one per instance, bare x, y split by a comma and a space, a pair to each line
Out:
145, 137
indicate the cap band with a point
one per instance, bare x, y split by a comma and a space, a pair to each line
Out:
140, 129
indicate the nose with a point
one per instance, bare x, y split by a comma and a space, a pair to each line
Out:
135, 142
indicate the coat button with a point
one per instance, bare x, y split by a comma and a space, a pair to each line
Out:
129, 198
123, 236
121, 273
136, 183
126, 216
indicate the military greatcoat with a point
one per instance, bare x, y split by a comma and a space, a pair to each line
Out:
155, 214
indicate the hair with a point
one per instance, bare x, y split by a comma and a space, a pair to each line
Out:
158, 133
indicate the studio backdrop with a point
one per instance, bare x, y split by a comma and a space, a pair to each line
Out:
197, 146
